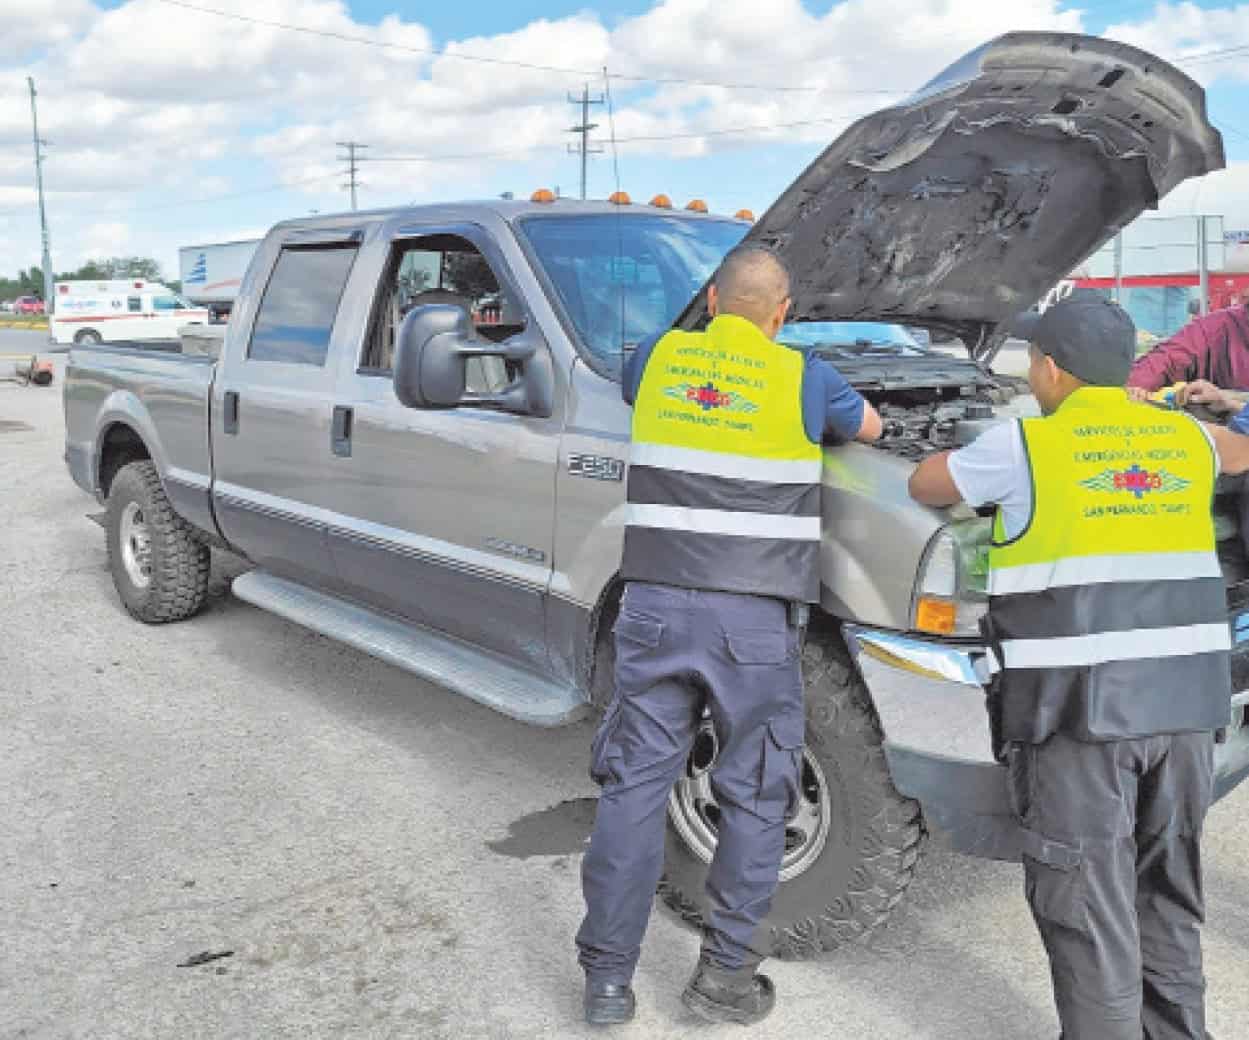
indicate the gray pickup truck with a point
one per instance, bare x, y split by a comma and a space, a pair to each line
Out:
414, 432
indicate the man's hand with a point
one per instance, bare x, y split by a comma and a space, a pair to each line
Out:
932, 485
1138, 394
1219, 401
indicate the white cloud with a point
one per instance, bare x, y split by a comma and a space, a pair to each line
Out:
148, 104
1225, 193
30, 24
1187, 31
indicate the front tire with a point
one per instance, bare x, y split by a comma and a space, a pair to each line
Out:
852, 848
159, 566
88, 338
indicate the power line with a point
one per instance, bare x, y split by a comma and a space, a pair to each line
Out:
532, 66
1205, 57
636, 139
583, 129
352, 166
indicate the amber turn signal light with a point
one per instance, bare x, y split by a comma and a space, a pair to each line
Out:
938, 616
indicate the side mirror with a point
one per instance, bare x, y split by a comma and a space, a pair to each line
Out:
433, 347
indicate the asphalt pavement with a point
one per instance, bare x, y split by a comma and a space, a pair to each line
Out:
233, 828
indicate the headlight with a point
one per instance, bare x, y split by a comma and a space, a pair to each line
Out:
951, 593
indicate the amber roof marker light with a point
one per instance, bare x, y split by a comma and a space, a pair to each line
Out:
745, 214
696, 206
542, 195
619, 198
661, 201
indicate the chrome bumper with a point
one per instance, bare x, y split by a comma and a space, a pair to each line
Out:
930, 700
929, 695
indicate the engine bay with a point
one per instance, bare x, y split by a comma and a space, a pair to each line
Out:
921, 422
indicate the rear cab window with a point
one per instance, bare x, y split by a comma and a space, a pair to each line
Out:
297, 311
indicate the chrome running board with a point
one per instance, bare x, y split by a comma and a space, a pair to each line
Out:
476, 674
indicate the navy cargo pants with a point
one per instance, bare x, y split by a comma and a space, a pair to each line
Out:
678, 651
1112, 872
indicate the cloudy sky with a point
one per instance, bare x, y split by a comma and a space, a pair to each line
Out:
172, 123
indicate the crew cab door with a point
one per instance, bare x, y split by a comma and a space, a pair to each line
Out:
452, 510
272, 405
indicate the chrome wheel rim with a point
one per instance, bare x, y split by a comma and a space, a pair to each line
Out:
694, 813
136, 545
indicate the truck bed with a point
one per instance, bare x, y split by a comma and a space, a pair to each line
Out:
156, 392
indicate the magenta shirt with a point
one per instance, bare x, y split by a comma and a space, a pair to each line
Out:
1215, 347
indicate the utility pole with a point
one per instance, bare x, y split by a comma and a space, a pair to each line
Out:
1203, 265
352, 165
1119, 268
48, 304
584, 128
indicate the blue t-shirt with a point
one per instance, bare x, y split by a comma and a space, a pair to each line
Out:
831, 407
1240, 423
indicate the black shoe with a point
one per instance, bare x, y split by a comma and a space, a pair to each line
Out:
723, 996
608, 1003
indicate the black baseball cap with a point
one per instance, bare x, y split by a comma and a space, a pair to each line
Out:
1086, 334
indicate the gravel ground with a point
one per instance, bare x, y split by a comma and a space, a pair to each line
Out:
380, 858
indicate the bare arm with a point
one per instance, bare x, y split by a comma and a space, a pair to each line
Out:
932, 485
872, 426
1232, 448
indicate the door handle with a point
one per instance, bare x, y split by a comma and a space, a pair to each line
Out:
231, 418
340, 431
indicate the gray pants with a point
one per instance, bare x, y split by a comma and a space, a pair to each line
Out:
678, 651
1112, 871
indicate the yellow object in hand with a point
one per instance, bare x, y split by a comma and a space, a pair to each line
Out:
1168, 396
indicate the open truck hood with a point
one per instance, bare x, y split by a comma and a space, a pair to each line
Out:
966, 203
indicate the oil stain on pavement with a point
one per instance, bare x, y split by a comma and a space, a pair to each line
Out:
561, 830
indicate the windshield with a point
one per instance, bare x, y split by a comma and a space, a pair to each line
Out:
624, 278
850, 338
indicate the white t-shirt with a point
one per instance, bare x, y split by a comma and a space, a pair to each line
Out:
993, 471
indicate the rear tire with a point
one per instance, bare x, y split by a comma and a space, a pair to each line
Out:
159, 566
88, 338
851, 851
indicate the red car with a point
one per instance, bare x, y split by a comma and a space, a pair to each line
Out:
28, 305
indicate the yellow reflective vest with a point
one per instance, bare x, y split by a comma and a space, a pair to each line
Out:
1108, 615
724, 484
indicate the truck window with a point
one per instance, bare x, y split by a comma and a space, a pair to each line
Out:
134, 304
443, 269
299, 304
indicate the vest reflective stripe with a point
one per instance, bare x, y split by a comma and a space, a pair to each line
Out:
1114, 592
719, 521
1089, 570
724, 485
722, 464
1099, 647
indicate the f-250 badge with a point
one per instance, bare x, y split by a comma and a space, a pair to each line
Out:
596, 467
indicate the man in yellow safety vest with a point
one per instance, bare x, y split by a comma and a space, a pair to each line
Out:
721, 558
1108, 646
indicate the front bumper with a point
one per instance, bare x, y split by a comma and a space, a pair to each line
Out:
930, 701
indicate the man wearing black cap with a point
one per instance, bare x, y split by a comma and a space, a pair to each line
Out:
1108, 650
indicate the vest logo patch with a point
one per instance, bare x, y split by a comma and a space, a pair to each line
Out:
709, 397
1136, 481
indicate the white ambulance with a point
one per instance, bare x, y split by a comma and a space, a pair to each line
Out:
119, 310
